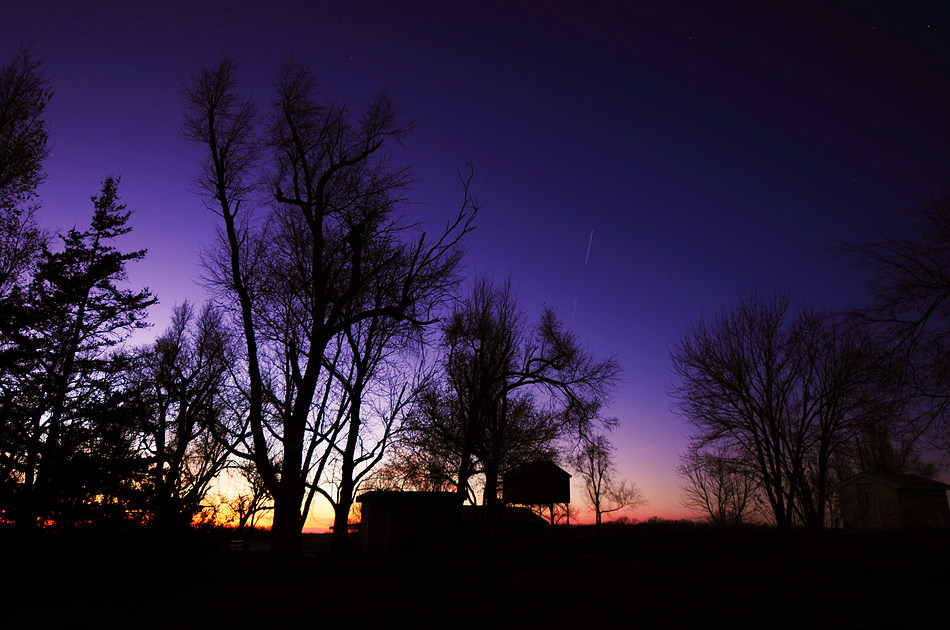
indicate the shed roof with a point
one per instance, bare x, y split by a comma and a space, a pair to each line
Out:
545, 467
537, 483
896, 480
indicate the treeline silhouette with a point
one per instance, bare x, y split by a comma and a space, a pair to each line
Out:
307, 369
340, 353
786, 404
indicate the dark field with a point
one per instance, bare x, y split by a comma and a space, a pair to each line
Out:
653, 574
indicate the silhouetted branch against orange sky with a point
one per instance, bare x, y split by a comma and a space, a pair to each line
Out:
338, 262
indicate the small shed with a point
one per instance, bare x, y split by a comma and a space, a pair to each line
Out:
891, 502
537, 483
392, 520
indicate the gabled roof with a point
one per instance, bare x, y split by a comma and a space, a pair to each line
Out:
898, 481
537, 483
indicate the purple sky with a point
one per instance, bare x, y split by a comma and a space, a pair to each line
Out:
711, 151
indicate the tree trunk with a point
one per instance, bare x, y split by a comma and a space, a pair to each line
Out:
286, 537
286, 531
341, 511
341, 517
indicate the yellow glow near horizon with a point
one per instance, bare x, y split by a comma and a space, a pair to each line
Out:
320, 518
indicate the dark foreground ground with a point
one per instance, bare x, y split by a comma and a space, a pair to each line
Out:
653, 575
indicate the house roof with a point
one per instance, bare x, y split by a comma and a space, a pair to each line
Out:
898, 481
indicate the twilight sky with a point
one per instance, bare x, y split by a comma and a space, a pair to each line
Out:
711, 150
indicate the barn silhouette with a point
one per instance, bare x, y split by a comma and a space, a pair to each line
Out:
402, 521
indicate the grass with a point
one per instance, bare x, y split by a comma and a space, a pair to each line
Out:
669, 573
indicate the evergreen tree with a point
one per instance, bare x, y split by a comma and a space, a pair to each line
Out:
71, 321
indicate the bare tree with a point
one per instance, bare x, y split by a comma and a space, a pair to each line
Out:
785, 395
300, 277
909, 276
252, 499
605, 494
187, 434
24, 95
378, 381
718, 485
509, 392
556, 513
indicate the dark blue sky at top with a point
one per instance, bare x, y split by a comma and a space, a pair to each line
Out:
712, 150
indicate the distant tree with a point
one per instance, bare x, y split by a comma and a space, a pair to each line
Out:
784, 395
604, 493
557, 513
251, 500
300, 278
508, 392
183, 377
717, 485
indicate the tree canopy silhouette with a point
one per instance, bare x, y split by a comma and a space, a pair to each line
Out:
507, 391
910, 311
321, 252
62, 390
605, 493
786, 397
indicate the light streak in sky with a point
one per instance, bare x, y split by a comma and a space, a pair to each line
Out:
586, 258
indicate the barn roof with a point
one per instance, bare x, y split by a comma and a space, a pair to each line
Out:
546, 467
537, 483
